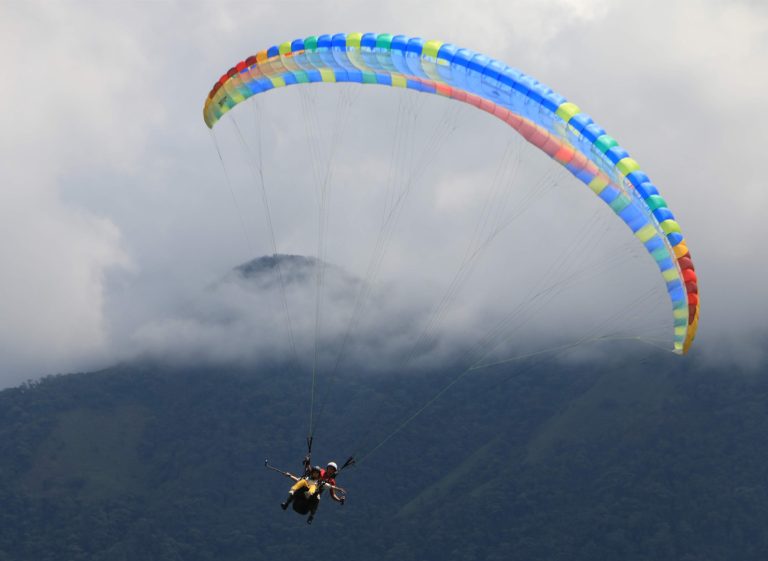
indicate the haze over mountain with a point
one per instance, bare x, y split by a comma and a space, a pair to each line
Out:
267, 309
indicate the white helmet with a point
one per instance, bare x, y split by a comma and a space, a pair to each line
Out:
332, 465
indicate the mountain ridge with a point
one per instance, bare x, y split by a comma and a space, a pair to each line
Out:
552, 461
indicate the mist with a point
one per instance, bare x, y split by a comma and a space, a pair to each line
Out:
122, 225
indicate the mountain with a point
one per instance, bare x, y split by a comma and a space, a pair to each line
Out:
270, 271
627, 459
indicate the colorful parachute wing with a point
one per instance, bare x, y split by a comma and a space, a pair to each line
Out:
543, 117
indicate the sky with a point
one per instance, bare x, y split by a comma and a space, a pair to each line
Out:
120, 224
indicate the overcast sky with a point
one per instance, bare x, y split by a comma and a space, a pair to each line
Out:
118, 222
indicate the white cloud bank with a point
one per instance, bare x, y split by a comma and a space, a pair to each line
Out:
104, 164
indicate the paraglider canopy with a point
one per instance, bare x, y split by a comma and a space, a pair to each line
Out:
543, 117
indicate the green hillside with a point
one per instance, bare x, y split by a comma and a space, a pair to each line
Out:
657, 459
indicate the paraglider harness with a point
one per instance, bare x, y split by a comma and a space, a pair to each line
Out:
306, 502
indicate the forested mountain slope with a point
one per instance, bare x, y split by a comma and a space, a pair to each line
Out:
553, 461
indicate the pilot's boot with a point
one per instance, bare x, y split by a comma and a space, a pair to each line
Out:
288, 501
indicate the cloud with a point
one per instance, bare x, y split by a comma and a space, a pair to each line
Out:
266, 310
54, 254
678, 86
115, 209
